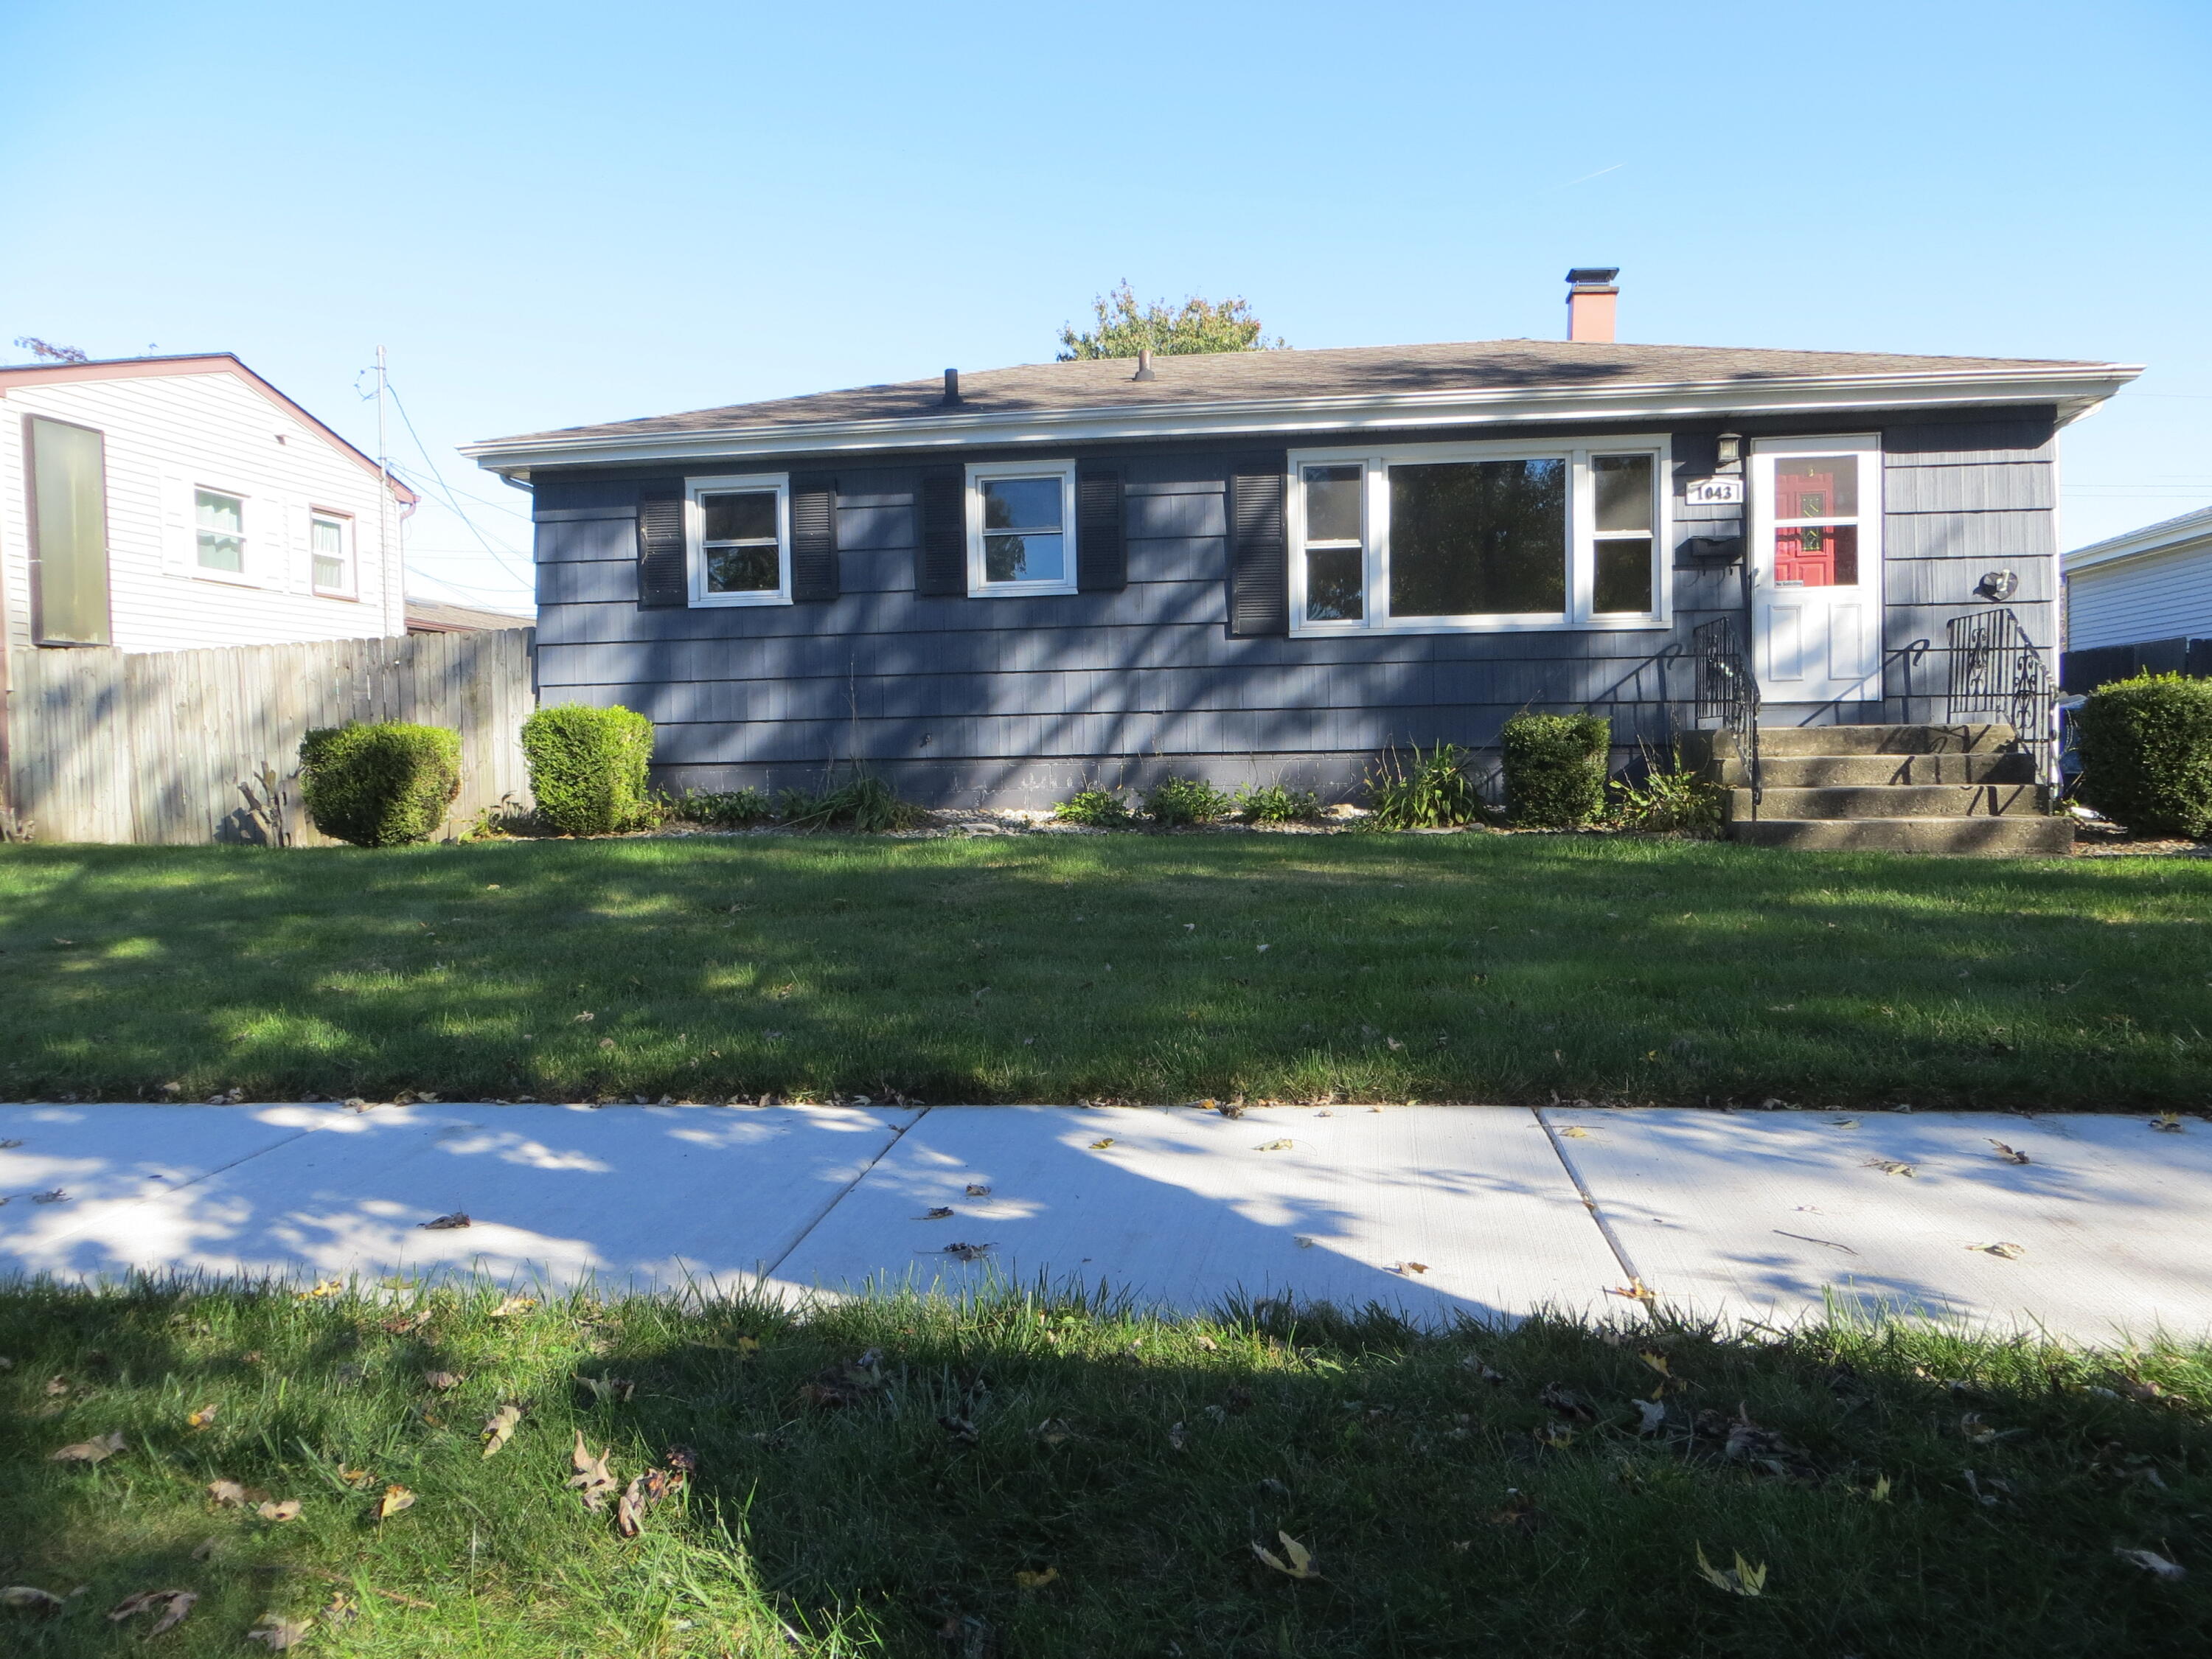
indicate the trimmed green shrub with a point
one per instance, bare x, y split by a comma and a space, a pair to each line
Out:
1436, 790
1097, 809
1671, 800
379, 786
1275, 803
864, 802
1555, 769
725, 809
2146, 751
587, 768
1175, 801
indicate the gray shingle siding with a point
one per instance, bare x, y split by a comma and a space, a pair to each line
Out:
1016, 701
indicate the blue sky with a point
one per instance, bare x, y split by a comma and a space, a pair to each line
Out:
557, 213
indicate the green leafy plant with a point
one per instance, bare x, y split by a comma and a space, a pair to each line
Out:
1434, 791
1275, 803
379, 786
587, 768
1555, 769
1124, 327
1097, 809
1671, 799
863, 802
724, 809
2146, 751
1173, 802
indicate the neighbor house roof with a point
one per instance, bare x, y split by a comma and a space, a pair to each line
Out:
211, 362
436, 617
2173, 535
1286, 391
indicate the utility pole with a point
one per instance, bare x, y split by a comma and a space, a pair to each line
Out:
384, 500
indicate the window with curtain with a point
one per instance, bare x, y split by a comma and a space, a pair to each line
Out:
68, 514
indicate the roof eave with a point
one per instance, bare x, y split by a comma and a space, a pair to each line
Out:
2073, 390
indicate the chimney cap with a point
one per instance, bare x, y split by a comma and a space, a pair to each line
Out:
1593, 275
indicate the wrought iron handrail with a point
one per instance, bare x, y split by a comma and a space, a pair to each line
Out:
1996, 668
1727, 691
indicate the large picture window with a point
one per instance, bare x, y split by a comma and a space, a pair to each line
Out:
1500, 536
739, 536
68, 502
1021, 527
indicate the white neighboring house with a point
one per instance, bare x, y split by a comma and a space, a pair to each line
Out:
170, 503
2142, 600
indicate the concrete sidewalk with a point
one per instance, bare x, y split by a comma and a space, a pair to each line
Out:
2104, 1231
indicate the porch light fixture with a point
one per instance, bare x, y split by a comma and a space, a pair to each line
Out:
1731, 451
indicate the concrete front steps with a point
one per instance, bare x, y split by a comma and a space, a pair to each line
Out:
1955, 789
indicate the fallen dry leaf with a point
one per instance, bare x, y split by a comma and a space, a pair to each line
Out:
1889, 1166
940, 1213
205, 1549
1052, 1432
30, 1598
1178, 1436
89, 1451
1635, 1291
202, 1417
974, 1191
396, 1498
287, 1510
2010, 1252
279, 1633
499, 1428
603, 1388
407, 1324
1742, 1579
511, 1305
1036, 1581
1574, 1132
1101, 1143
447, 1223
230, 1494
59, 1195
640, 1497
1842, 1123
1303, 1242
322, 1288
1879, 1493
441, 1380
592, 1480
2009, 1154
1206, 1343
2152, 1562
965, 1252
174, 1605
1283, 1146
1408, 1269
1296, 1561
1654, 1416
2169, 1121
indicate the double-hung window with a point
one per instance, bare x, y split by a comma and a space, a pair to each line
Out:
1437, 538
329, 543
739, 532
218, 522
1021, 527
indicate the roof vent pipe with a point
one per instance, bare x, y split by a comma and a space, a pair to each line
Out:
1591, 297
1144, 365
951, 387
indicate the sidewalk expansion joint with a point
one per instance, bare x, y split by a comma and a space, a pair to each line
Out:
1590, 1201
843, 1194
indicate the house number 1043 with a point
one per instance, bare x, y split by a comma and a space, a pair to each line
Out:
1715, 492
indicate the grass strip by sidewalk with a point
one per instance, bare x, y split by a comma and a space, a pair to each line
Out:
1048, 1478
1139, 968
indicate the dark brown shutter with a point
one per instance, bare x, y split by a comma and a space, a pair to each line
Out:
941, 570
1258, 550
813, 538
663, 582
1102, 564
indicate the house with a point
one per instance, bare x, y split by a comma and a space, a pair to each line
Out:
2139, 601
167, 503
1271, 565
436, 617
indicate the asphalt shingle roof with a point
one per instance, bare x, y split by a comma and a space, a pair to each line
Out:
1231, 377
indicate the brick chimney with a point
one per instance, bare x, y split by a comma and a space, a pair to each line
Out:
1591, 296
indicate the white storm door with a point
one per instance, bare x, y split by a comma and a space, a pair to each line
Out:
1816, 568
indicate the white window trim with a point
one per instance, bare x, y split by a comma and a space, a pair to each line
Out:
244, 576
350, 589
1578, 617
694, 535
979, 470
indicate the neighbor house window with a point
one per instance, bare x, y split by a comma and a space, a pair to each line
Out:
1021, 528
330, 538
221, 521
1441, 538
739, 532
68, 511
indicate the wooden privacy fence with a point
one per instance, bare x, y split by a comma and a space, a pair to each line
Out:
169, 747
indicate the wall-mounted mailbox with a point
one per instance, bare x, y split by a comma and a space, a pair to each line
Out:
1713, 549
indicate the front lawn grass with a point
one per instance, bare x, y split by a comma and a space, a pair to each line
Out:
1040, 1477
1139, 968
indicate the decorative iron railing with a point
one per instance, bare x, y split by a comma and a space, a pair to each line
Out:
1996, 670
1727, 691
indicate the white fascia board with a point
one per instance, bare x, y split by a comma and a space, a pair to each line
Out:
2191, 532
2073, 391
